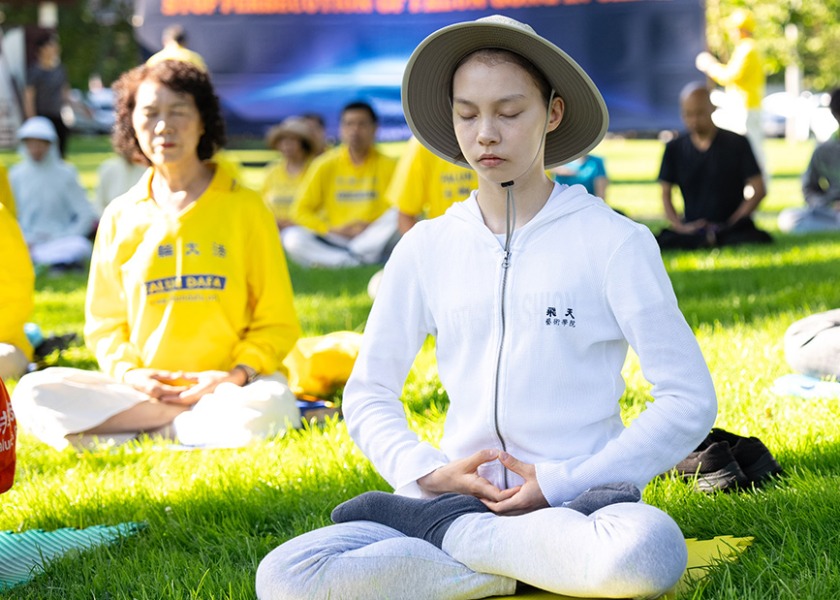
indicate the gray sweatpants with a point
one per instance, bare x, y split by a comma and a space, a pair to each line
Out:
623, 550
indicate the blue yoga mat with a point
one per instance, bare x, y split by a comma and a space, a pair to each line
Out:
24, 555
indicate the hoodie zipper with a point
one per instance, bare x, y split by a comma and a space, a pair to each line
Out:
505, 265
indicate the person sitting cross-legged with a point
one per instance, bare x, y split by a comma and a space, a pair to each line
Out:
189, 307
720, 181
534, 291
341, 213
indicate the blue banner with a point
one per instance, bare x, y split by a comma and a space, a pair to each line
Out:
274, 58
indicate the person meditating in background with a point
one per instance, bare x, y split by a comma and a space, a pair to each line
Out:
189, 304
718, 176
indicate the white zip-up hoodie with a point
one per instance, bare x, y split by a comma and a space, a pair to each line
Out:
531, 354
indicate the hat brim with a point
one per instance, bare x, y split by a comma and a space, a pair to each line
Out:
428, 76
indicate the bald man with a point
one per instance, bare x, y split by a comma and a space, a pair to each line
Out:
718, 176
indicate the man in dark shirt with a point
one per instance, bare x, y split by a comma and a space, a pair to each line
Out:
718, 176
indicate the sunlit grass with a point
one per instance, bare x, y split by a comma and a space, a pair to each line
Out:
212, 515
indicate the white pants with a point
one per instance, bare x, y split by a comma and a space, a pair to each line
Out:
621, 551
61, 401
309, 250
808, 219
65, 250
755, 134
13, 362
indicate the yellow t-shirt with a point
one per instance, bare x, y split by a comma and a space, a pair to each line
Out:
743, 74
17, 283
7, 197
336, 192
424, 183
205, 289
279, 188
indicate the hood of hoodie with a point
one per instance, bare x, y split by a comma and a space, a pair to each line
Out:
38, 128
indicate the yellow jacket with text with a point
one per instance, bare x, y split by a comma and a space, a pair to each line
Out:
336, 192
206, 289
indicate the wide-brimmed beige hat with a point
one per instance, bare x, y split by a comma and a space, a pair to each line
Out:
427, 84
291, 126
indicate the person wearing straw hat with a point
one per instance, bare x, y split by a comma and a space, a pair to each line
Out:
533, 290
294, 141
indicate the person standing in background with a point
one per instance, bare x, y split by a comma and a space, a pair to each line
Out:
47, 88
743, 76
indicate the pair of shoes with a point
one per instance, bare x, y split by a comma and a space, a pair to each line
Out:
726, 461
751, 454
712, 466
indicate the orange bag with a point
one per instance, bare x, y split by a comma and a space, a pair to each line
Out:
7, 440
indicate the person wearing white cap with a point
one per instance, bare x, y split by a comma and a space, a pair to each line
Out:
53, 209
534, 290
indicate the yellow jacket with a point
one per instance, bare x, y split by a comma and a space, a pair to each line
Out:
17, 282
743, 74
7, 197
279, 188
425, 183
336, 192
206, 289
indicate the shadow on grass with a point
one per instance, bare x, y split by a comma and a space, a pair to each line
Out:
748, 283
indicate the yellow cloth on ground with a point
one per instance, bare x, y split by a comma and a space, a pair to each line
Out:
319, 365
702, 556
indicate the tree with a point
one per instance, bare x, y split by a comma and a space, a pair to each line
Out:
96, 36
815, 48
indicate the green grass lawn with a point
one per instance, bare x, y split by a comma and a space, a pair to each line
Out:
212, 515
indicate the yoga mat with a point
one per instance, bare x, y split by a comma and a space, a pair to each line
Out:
702, 556
24, 555
804, 386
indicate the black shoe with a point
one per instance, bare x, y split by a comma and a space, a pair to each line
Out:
714, 467
53, 343
751, 454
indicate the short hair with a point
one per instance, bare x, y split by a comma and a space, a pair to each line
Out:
359, 105
692, 88
45, 40
834, 103
313, 116
181, 77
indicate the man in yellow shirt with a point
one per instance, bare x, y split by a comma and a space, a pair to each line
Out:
342, 215
17, 299
743, 77
425, 184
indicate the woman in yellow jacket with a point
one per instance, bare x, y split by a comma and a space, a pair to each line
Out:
189, 304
